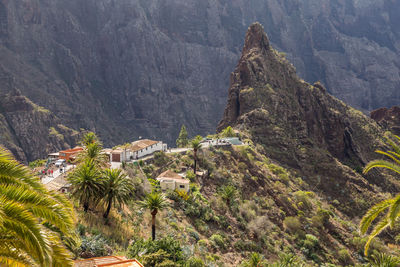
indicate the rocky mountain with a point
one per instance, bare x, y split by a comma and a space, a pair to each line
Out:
388, 118
293, 192
29, 131
302, 126
129, 68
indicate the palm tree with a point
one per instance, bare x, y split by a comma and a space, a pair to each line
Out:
154, 202
392, 206
94, 153
195, 146
32, 220
89, 138
117, 188
86, 183
228, 193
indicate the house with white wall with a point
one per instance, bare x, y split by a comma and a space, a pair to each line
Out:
145, 147
170, 180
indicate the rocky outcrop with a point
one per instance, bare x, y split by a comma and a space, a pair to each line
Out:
300, 125
29, 131
388, 118
143, 68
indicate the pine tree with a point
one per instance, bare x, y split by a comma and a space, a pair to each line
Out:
182, 140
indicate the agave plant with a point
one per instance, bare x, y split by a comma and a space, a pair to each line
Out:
384, 260
390, 206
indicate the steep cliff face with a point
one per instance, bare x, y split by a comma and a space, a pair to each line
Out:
301, 125
388, 118
127, 68
29, 131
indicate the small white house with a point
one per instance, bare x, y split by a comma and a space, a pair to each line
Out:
142, 148
170, 180
119, 155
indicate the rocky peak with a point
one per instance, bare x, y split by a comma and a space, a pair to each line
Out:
256, 38
298, 124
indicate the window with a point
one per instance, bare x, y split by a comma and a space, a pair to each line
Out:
181, 186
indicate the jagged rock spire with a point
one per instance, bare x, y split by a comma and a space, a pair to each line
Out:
255, 38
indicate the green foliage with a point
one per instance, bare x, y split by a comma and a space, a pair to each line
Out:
194, 262
160, 158
37, 163
89, 138
87, 185
228, 193
182, 140
155, 253
344, 257
33, 221
384, 260
392, 206
228, 132
95, 246
255, 260
117, 189
190, 175
293, 225
218, 241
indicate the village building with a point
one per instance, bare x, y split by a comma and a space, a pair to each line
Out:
109, 261
70, 154
170, 180
120, 155
136, 150
53, 156
142, 148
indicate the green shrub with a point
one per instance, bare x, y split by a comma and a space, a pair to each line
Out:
190, 175
218, 241
293, 225
160, 158
149, 250
344, 257
194, 262
94, 246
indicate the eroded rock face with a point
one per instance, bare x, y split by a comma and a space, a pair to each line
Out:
388, 118
301, 125
143, 68
29, 131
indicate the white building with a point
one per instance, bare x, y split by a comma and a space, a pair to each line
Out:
170, 180
142, 148
136, 150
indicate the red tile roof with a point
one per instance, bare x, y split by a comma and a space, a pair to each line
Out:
118, 261
141, 144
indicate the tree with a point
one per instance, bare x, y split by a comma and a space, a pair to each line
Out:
392, 206
182, 140
154, 202
86, 183
228, 193
32, 220
89, 138
228, 132
93, 152
195, 146
117, 188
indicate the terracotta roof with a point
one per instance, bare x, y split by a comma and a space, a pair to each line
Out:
57, 183
73, 150
140, 144
118, 261
170, 175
